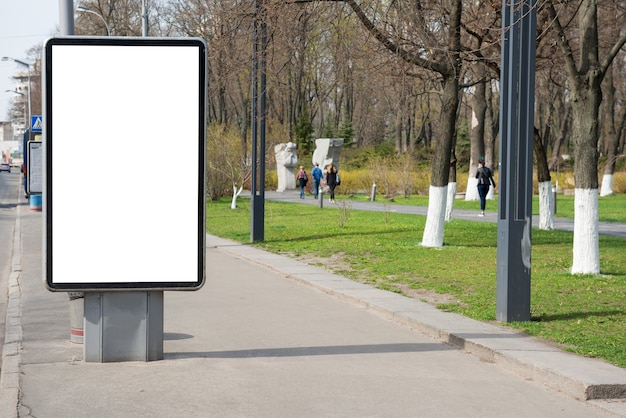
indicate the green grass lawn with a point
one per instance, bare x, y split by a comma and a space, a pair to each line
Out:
583, 314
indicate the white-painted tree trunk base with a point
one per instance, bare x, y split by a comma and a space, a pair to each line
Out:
471, 192
450, 201
233, 203
435, 218
491, 195
586, 239
546, 205
607, 185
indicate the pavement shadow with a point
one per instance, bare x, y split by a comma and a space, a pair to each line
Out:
338, 234
314, 351
578, 315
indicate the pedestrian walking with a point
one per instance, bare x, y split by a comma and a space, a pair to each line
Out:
331, 180
302, 180
485, 179
316, 175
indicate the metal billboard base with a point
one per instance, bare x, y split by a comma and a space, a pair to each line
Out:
123, 326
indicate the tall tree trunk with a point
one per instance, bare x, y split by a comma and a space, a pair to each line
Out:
398, 131
434, 228
452, 187
438, 193
408, 137
546, 197
611, 136
585, 78
585, 133
563, 131
478, 103
491, 128
621, 132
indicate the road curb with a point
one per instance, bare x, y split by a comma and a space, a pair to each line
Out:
11, 352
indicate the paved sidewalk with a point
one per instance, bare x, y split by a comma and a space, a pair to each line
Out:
268, 336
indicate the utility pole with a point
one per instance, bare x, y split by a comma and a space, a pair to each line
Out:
66, 17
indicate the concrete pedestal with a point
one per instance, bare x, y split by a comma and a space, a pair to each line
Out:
123, 326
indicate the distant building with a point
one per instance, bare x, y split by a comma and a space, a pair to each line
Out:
6, 131
19, 106
9, 146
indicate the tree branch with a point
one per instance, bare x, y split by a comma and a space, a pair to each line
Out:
610, 56
385, 39
570, 63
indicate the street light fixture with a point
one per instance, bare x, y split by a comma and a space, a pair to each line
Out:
82, 8
24, 64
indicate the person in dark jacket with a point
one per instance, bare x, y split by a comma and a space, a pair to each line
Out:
485, 179
331, 180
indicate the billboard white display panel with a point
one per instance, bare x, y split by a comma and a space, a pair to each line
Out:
124, 209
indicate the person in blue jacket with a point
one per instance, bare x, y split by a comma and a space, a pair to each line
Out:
316, 175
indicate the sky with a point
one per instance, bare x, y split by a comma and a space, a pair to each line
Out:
23, 24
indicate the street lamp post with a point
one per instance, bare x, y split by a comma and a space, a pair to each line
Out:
82, 8
144, 19
22, 63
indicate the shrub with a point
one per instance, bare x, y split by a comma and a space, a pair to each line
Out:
619, 182
226, 165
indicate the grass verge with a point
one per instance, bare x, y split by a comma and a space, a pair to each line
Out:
583, 314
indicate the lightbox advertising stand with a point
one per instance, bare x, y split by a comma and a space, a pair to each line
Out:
124, 183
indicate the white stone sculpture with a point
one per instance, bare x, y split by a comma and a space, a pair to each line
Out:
286, 162
327, 150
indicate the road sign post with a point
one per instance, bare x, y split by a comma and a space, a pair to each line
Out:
36, 124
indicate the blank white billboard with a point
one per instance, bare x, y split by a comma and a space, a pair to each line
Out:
123, 207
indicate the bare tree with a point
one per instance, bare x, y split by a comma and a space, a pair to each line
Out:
430, 38
227, 167
585, 72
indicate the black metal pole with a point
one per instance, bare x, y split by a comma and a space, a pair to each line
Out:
517, 89
260, 205
257, 211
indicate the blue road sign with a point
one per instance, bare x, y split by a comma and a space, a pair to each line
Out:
36, 123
